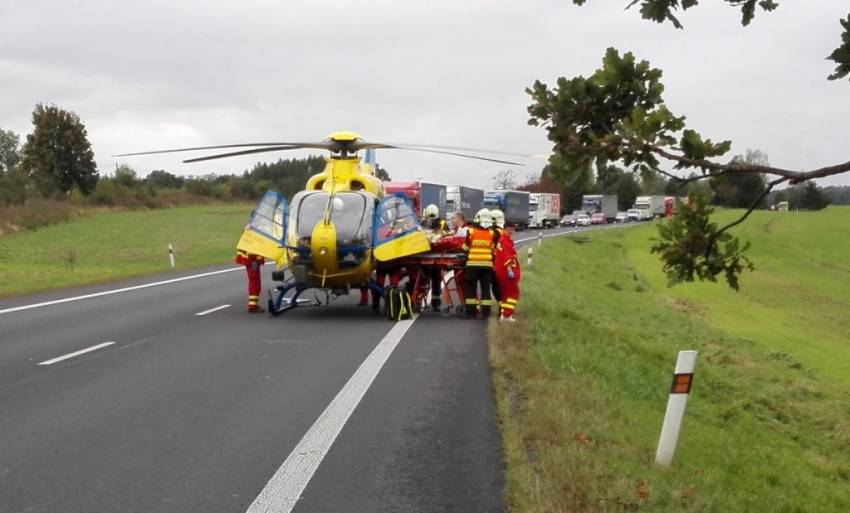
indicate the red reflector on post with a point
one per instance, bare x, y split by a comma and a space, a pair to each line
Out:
681, 383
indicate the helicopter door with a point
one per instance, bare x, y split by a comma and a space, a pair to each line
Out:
396, 231
265, 234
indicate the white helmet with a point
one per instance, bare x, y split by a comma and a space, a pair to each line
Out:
498, 218
431, 212
483, 218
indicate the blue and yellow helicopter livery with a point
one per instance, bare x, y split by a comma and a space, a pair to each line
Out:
332, 233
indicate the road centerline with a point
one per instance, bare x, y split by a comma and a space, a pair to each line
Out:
76, 353
211, 310
285, 487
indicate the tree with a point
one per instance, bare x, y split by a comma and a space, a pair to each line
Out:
740, 190
618, 115
662, 10
9, 154
125, 176
628, 190
57, 154
504, 180
382, 174
162, 179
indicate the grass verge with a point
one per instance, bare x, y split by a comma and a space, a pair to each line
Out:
582, 380
118, 245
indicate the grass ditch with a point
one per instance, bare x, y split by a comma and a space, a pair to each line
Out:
582, 380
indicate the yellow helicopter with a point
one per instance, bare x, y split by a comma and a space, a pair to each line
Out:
332, 233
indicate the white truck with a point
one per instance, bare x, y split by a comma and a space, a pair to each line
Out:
650, 207
600, 203
544, 210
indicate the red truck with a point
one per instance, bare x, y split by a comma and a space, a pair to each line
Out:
420, 194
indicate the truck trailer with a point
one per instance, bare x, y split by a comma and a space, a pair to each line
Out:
544, 210
605, 204
514, 204
420, 195
466, 200
651, 207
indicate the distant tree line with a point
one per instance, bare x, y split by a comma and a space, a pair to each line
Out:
56, 163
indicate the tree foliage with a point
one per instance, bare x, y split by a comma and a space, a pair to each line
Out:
662, 11
692, 246
57, 154
9, 150
618, 115
740, 190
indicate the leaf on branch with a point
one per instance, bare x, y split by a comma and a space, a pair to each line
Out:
692, 248
841, 55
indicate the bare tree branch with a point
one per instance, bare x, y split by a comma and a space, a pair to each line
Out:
749, 211
794, 177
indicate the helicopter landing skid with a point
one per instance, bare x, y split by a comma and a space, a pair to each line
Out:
279, 303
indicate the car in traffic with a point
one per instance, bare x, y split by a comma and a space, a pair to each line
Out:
633, 214
568, 220
597, 218
582, 220
621, 217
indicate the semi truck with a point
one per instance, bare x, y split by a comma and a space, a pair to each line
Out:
605, 204
465, 200
514, 204
544, 210
651, 207
420, 195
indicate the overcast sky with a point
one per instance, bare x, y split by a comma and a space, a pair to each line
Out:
162, 74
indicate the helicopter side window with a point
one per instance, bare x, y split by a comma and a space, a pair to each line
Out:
268, 217
395, 218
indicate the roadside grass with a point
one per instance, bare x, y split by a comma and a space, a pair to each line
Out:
582, 380
118, 245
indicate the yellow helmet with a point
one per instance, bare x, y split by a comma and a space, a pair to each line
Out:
483, 218
431, 212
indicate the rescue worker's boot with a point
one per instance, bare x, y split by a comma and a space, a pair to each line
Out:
256, 309
436, 304
486, 311
253, 304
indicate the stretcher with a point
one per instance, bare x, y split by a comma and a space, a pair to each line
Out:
449, 265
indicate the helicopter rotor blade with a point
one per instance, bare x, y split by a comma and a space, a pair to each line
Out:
215, 147
250, 152
446, 148
441, 152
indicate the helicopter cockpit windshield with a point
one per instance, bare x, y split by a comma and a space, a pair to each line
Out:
351, 214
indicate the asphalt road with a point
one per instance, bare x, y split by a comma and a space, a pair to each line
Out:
131, 401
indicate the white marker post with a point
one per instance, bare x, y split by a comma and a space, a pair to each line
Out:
683, 376
171, 255
530, 254
539, 239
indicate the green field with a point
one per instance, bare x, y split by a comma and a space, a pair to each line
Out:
582, 380
117, 245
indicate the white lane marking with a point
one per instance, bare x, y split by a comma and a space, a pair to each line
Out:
286, 485
211, 310
75, 353
573, 232
116, 291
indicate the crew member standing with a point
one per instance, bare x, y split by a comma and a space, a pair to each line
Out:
252, 265
498, 226
480, 243
507, 272
436, 228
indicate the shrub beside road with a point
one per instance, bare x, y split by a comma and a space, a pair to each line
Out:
582, 380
